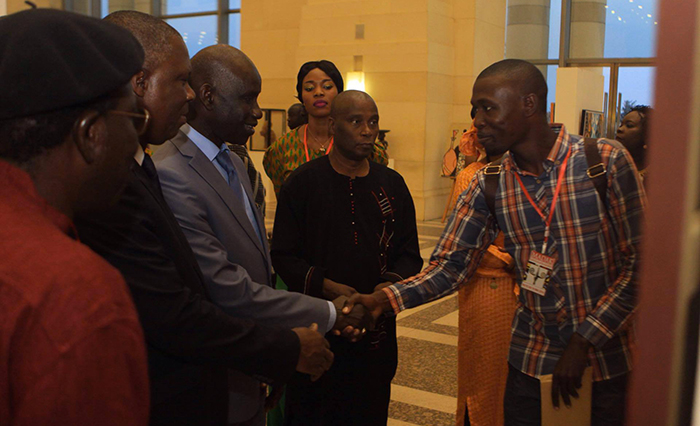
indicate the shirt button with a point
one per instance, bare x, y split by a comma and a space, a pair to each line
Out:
538, 181
557, 162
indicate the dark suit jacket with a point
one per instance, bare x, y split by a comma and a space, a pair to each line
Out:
190, 341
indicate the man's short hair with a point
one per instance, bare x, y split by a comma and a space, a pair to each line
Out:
524, 76
153, 33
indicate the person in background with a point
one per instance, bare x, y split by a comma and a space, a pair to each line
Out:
344, 219
576, 258
191, 342
71, 346
296, 116
318, 83
633, 134
486, 307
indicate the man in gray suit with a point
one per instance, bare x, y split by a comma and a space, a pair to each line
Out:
209, 192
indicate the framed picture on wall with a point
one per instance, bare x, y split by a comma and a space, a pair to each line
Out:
592, 124
272, 126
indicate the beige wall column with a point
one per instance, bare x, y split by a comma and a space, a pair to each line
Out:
587, 28
3, 7
527, 34
19, 5
578, 89
420, 58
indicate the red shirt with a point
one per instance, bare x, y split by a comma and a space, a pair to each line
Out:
71, 347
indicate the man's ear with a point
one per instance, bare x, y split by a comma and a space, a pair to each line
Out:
331, 126
530, 102
139, 83
90, 135
205, 94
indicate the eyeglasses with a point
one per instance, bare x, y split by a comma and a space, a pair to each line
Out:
140, 120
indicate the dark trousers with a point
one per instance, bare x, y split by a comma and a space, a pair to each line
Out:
522, 400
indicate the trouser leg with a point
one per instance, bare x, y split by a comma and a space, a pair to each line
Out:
609, 402
521, 403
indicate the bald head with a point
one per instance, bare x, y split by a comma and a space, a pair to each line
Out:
227, 85
154, 34
296, 116
522, 77
348, 100
354, 123
221, 66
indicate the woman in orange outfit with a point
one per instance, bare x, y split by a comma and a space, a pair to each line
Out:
486, 307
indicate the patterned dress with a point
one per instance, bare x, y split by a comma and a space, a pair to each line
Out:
287, 153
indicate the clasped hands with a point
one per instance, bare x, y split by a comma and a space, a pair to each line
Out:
352, 323
356, 313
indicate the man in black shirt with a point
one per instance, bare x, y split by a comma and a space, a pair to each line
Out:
344, 219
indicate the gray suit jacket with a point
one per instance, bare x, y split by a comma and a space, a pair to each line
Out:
235, 263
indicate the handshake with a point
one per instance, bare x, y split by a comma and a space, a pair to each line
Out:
356, 313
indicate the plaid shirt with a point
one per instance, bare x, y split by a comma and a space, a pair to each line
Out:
593, 286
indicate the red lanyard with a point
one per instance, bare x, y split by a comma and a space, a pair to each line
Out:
306, 147
547, 220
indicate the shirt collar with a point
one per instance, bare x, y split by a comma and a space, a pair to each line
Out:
139, 155
208, 147
556, 154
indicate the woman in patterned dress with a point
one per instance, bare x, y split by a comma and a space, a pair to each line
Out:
318, 83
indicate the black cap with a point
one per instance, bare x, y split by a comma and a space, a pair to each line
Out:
51, 59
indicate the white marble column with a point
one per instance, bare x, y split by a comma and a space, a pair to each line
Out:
527, 31
587, 28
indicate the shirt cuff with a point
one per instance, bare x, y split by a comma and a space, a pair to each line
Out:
313, 283
392, 293
595, 331
332, 317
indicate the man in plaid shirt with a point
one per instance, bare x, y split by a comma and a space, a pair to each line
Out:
576, 252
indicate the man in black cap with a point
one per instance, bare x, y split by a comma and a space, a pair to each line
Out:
191, 343
71, 347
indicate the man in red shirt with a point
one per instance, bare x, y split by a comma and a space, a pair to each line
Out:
71, 347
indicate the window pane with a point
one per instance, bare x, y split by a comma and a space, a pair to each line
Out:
115, 5
533, 29
618, 29
234, 30
174, 7
198, 32
550, 73
636, 85
234, 4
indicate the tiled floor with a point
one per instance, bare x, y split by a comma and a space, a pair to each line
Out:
424, 391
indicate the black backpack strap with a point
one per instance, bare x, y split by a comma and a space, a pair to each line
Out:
596, 169
492, 172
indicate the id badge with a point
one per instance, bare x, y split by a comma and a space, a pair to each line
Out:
539, 271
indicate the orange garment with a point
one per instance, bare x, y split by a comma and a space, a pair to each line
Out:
486, 308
